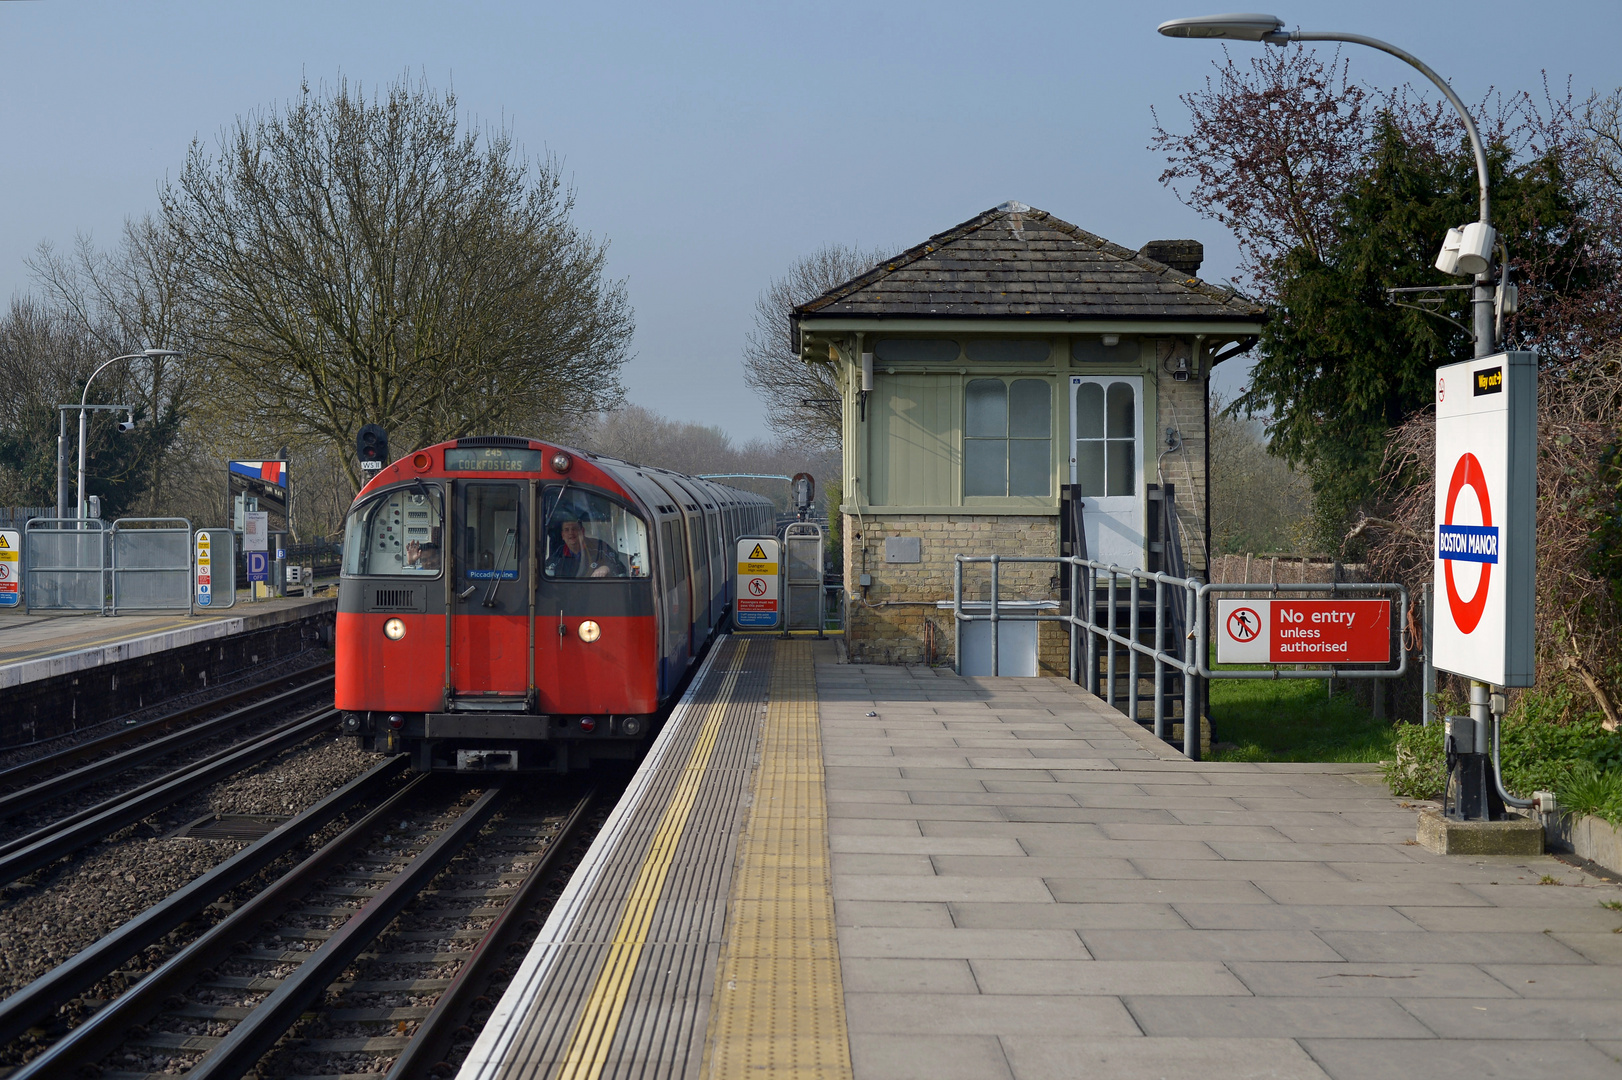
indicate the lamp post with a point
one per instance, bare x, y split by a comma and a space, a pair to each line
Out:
1467, 251
84, 407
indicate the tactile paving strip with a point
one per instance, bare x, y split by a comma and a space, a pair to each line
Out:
779, 1006
618, 982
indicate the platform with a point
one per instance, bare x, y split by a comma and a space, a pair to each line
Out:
42, 646
898, 873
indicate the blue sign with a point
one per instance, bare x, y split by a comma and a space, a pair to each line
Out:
1467, 543
258, 566
767, 619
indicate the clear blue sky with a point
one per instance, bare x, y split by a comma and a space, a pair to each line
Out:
713, 144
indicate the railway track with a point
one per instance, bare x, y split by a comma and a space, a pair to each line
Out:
90, 824
324, 936
124, 775
30, 783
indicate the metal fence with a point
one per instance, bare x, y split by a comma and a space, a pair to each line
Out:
66, 562
86, 564
151, 565
1176, 651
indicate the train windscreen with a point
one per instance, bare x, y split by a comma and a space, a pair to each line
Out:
589, 535
396, 533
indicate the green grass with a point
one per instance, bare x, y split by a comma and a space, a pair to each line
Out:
1293, 720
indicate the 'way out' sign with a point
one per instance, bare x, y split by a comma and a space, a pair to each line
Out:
1303, 631
1486, 502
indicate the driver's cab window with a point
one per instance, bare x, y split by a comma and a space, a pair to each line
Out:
398, 533
494, 545
589, 535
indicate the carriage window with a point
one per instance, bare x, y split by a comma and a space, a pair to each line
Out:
493, 541
397, 533
591, 536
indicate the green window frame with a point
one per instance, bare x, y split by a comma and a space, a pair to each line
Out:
1007, 437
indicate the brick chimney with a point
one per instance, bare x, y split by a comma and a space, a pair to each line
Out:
1181, 255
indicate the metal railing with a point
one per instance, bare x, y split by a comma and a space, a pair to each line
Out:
1171, 650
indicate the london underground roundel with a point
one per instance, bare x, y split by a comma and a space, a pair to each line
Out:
1457, 542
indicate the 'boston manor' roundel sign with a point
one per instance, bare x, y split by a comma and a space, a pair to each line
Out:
1457, 542
1486, 495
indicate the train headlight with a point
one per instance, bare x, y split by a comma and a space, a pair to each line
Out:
590, 631
394, 629
630, 726
561, 462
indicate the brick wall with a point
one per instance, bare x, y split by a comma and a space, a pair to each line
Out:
897, 622
1181, 405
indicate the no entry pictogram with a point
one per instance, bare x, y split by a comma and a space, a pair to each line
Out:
1244, 624
757, 586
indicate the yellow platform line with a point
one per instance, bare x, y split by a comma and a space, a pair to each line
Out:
594, 1034
779, 1003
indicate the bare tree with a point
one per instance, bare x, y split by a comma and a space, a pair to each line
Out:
1258, 502
802, 400
352, 260
641, 435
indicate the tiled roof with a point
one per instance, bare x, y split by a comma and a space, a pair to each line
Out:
1015, 261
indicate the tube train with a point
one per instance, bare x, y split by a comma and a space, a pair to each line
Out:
508, 604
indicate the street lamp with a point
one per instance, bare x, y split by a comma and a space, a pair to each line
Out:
84, 398
1466, 251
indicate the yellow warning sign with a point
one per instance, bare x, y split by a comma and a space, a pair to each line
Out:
5, 544
758, 553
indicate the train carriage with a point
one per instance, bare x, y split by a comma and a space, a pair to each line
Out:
510, 604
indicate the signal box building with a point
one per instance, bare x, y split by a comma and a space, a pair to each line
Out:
997, 378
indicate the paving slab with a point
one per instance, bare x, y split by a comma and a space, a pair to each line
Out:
1037, 1057
1251, 1017
1460, 1059
1029, 886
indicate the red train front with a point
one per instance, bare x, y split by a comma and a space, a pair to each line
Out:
509, 604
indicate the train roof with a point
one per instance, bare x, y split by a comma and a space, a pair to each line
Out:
429, 461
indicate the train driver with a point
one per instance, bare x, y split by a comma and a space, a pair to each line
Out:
581, 555
422, 556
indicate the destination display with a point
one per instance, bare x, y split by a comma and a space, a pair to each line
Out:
492, 459
1303, 631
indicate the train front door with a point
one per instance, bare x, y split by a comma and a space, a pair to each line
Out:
1106, 465
490, 594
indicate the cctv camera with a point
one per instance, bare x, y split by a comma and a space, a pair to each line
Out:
128, 423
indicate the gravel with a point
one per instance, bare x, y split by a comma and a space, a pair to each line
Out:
51, 915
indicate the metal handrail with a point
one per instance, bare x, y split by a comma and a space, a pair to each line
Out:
1186, 653
1082, 619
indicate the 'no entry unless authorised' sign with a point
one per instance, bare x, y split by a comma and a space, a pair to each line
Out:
1303, 631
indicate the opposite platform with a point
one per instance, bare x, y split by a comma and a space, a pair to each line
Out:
35, 647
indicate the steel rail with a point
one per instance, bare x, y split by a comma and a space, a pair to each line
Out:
437, 1032
105, 1031
250, 1039
36, 1001
54, 787
90, 747
46, 845
84, 813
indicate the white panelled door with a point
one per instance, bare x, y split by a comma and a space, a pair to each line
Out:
1106, 465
